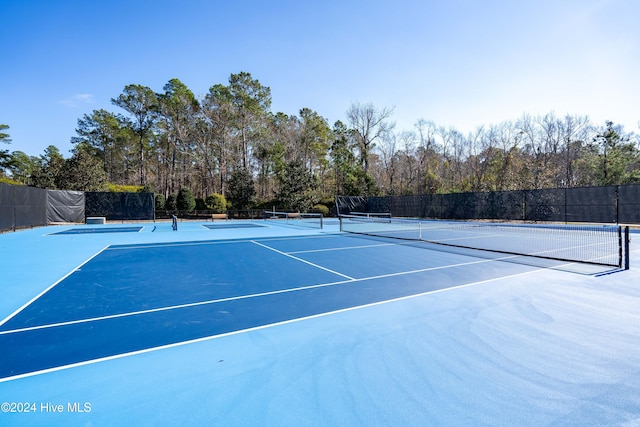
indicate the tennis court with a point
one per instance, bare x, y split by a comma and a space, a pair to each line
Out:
89, 230
275, 323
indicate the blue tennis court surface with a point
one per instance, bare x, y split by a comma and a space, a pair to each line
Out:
232, 225
265, 324
86, 230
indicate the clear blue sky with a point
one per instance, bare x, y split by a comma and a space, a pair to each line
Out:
455, 62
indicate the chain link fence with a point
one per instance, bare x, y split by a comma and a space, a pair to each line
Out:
615, 204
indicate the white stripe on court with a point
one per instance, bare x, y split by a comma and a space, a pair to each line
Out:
120, 247
257, 328
51, 287
171, 245
240, 297
301, 260
342, 249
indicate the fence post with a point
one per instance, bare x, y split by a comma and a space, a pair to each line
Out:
565, 205
617, 204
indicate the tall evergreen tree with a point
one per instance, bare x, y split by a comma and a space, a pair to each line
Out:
104, 135
4, 154
296, 187
618, 158
241, 189
82, 172
217, 109
142, 103
178, 108
50, 169
251, 104
22, 167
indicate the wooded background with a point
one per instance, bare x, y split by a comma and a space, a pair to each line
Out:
229, 142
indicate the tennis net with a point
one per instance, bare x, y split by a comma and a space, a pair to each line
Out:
371, 214
311, 220
598, 245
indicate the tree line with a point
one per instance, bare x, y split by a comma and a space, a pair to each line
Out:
229, 143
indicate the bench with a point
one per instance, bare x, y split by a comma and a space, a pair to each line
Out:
96, 220
219, 216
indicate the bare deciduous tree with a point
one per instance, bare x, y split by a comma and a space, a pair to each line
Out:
370, 124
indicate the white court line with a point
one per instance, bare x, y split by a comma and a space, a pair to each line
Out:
151, 310
343, 248
171, 245
51, 287
160, 309
311, 236
302, 260
89, 362
241, 331
240, 297
118, 247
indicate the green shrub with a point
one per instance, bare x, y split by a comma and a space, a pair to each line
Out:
321, 209
172, 202
217, 203
241, 190
200, 204
118, 188
161, 202
266, 204
185, 200
330, 203
5, 180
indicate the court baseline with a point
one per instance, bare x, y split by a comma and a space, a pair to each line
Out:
42, 346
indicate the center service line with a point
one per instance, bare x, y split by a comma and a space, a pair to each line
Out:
302, 260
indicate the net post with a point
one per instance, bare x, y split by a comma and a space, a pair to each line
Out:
626, 247
174, 222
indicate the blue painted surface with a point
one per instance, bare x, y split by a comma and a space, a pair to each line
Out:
512, 345
125, 280
85, 230
232, 225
